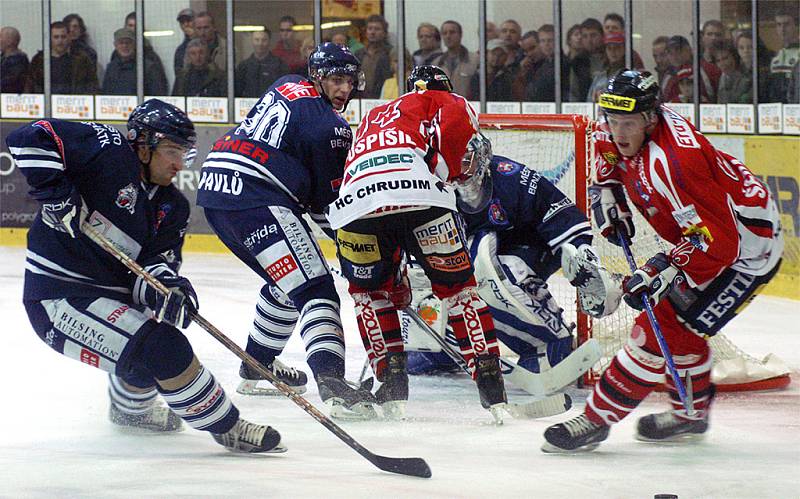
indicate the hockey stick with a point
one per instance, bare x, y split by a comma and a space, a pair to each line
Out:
412, 466
662, 343
549, 406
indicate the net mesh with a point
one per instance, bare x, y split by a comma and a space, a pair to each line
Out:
533, 142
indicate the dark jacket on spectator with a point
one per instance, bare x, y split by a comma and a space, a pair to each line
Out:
120, 77
499, 87
580, 77
377, 69
81, 45
72, 73
735, 88
13, 71
253, 76
200, 82
180, 54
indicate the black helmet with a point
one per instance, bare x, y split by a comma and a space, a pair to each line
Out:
153, 120
428, 78
630, 92
329, 58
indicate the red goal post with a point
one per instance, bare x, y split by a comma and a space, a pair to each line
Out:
560, 148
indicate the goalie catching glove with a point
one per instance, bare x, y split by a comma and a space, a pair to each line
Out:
655, 277
599, 291
173, 307
611, 211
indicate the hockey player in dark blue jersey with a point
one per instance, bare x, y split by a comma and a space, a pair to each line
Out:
84, 303
284, 161
521, 230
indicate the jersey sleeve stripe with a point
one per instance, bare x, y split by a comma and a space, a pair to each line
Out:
33, 151
228, 161
40, 163
581, 229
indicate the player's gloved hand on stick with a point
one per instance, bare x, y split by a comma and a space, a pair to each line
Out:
611, 211
400, 294
64, 214
654, 277
174, 308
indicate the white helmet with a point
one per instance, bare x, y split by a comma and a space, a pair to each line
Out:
474, 185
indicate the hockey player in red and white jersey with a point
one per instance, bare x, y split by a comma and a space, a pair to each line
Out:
725, 228
398, 196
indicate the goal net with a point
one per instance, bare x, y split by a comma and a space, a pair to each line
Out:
559, 147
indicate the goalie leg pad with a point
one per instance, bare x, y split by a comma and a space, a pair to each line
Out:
379, 326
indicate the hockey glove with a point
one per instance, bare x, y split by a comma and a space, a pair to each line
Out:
64, 214
611, 211
655, 278
174, 308
400, 294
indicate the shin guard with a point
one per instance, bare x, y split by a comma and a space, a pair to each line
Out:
379, 325
472, 325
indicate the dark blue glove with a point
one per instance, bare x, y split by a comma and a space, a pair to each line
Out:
654, 277
176, 307
64, 214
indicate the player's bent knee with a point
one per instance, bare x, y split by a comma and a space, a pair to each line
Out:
165, 352
321, 288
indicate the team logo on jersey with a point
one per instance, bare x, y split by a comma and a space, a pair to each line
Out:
497, 215
438, 236
506, 168
388, 115
610, 157
126, 198
556, 208
292, 91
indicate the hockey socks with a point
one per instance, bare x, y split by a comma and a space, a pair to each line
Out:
472, 325
379, 325
201, 402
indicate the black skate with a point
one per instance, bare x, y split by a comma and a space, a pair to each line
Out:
576, 435
491, 387
250, 379
667, 427
158, 419
345, 400
247, 437
393, 392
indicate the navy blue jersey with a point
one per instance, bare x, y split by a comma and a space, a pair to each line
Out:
527, 210
290, 149
147, 222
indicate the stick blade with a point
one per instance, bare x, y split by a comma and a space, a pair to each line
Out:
411, 466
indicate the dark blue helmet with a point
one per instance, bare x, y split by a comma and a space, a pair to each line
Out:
154, 120
428, 77
329, 58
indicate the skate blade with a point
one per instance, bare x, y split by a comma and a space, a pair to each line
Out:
145, 431
250, 387
358, 412
394, 410
682, 438
278, 449
549, 448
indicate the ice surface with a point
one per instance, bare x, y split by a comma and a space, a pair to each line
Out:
57, 442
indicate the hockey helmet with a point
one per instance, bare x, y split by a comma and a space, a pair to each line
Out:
154, 120
428, 78
630, 92
474, 185
329, 58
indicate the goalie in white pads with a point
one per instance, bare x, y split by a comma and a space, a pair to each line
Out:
522, 229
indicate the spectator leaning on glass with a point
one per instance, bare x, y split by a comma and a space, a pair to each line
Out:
70, 73
199, 78
256, 73
186, 21
593, 44
579, 66
375, 56
614, 61
680, 55
205, 29
287, 48
615, 23
430, 44
744, 46
735, 86
511, 34
529, 65
499, 77
460, 65
783, 80
120, 77
13, 62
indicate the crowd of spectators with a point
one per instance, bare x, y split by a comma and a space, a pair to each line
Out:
520, 64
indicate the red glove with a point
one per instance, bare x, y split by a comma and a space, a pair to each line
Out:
400, 294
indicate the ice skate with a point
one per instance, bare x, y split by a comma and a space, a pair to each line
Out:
667, 427
345, 401
295, 379
247, 437
393, 392
491, 387
576, 435
157, 419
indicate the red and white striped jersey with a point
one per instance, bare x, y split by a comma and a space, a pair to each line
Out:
705, 202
